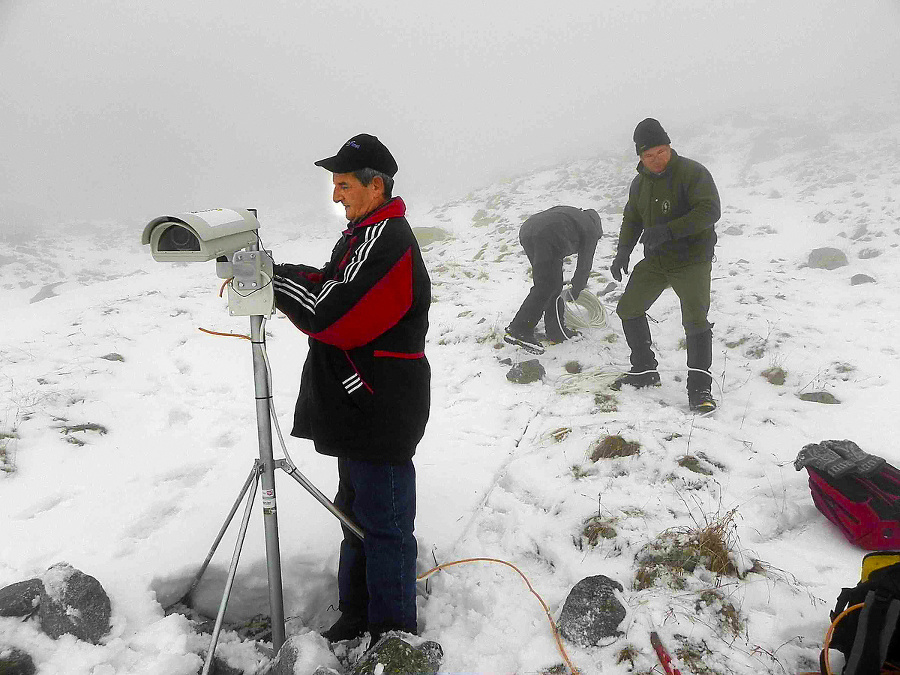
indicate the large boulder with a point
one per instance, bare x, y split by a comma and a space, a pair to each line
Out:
827, 258
73, 603
591, 612
392, 655
15, 662
21, 598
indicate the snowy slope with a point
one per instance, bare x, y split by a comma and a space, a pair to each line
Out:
135, 494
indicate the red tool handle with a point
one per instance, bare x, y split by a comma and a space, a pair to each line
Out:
664, 659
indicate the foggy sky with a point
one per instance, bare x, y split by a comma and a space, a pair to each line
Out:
131, 110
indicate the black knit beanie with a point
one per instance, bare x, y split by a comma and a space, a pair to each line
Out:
648, 134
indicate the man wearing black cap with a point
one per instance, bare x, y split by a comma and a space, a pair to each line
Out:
365, 388
672, 209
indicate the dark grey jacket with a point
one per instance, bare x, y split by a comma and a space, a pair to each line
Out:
563, 231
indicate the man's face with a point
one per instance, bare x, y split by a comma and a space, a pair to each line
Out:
656, 159
358, 200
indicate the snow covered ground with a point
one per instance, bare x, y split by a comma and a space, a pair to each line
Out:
131, 432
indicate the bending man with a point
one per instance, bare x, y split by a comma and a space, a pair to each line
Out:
548, 237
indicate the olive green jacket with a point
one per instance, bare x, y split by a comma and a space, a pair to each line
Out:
684, 200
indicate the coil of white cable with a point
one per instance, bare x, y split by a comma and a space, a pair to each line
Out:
585, 312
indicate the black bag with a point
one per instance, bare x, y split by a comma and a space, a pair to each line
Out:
868, 636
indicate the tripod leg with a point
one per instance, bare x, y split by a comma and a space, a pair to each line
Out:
229, 582
322, 499
196, 582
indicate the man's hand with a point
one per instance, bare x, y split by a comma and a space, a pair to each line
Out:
656, 235
576, 289
619, 265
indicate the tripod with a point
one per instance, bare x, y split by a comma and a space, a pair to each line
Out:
263, 471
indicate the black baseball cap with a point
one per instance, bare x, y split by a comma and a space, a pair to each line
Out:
363, 151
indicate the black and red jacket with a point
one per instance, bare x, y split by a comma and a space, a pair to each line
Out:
365, 388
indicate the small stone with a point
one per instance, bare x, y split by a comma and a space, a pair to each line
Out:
112, 356
15, 662
392, 655
611, 286
858, 279
819, 397
592, 612
526, 372
827, 258
20, 598
573, 367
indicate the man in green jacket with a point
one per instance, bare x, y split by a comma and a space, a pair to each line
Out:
672, 209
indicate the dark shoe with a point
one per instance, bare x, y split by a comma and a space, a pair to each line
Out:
526, 341
638, 380
701, 401
348, 627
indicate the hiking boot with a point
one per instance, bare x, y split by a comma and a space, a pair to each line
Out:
347, 627
701, 401
525, 340
638, 380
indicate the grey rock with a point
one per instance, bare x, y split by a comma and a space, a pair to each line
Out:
733, 230
591, 612
823, 216
392, 655
819, 397
827, 258
868, 253
858, 279
611, 286
73, 603
15, 662
526, 372
285, 659
325, 670
113, 356
20, 598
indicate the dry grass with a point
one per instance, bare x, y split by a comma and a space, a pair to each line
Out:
613, 446
677, 552
597, 528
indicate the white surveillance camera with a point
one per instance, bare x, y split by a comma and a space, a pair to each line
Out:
201, 235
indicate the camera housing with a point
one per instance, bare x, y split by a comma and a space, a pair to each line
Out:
199, 236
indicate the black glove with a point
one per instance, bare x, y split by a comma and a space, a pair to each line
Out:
656, 235
619, 265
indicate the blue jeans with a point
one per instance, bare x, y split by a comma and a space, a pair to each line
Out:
377, 576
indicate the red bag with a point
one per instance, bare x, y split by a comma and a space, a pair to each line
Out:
858, 492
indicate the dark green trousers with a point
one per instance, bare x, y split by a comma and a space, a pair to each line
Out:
691, 284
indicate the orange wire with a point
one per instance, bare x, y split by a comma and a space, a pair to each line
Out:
828, 635
556, 635
212, 332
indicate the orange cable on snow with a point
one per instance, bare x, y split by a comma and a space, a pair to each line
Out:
212, 332
556, 636
826, 661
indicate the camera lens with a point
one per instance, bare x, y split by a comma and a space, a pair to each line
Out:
178, 238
